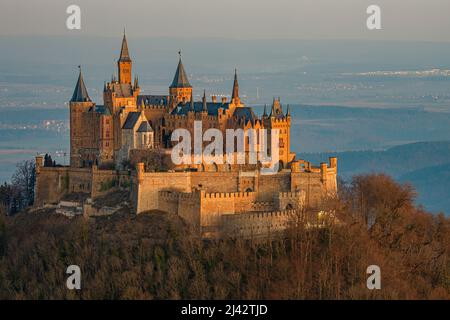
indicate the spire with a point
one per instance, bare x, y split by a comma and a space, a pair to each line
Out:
235, 93
272, 111
124, 54
288, 111
192, 102
205, 106
265, 111
80, 93
180, 80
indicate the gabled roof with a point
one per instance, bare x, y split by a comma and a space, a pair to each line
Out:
145, 127
124, 54
245, 113
131, 121
80, 93
122, 90
153, 100
180, 80
102, 110
212, 108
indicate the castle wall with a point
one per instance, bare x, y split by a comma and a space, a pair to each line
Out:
215, 205
216, 181
256, 224
289, 200
186, 205
105, 181
270, 184
145, 192
53, 183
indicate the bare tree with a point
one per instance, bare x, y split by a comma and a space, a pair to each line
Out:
24, 180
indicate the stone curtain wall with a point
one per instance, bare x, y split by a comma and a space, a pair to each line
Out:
256, 224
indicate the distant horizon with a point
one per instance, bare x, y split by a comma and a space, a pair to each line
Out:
415, 20
210, 38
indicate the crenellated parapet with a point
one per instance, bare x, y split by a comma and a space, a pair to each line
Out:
255, 224
228, 195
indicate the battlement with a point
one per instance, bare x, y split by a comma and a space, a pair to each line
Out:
262, 206
228, 195
284, 195
283, 121
260, 215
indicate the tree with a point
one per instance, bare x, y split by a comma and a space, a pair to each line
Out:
24, 180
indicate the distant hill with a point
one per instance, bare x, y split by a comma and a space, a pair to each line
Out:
433, 186
425, 164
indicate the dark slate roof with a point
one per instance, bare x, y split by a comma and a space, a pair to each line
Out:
145, 127
245, 113
180, 80
124, 54
103, 110
122, 90
153, 100
213, 108
80, 93
132, 118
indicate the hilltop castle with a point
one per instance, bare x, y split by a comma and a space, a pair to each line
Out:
216, 199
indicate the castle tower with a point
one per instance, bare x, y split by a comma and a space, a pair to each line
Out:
180, 90
79, 105
282, 122
124, 63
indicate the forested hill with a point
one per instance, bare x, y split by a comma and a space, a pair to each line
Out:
155, 256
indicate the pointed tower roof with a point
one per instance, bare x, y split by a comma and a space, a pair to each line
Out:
235, 93
180, 80
265, 110
205, 106
272, 110
288, 111
80, 93
124, 54
192, 102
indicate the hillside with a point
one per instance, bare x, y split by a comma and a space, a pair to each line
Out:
155, 256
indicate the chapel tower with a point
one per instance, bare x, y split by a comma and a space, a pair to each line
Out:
124, 63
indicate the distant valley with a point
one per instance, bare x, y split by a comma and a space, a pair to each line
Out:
426, 165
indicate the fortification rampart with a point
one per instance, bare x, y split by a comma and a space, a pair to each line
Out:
256, 223
53, 183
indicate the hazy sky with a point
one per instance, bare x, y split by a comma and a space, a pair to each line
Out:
302, 19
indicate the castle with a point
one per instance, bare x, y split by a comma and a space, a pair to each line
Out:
109, 145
